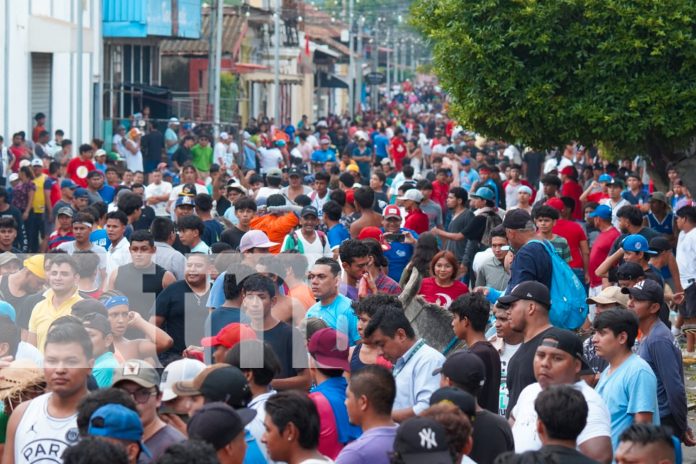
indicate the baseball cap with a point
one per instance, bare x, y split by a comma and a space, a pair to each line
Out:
458, 397
14, 177
413, 195
530, 290
324, 140
295, 171
391, 211
605, 178
137, 371
24, 162
65, 211
567, 341
556, 203
636, 243
99, 153
568, 171
8, 311
609, 295
280, 142
255, 239
659, 244
224, 383
235, 185
646, 290
188, 190
659, 196
117, 421
173, 121
98, 322
329, 348
518, 219
376, 234
466, 161
218, 424
463, 367
350, 196
224, 135
7, 257
524, 189
309, 211
274, 172
177, 371
35, 265
230, 335
36, 162
601, 211
630, 271
421, 439
94, 173
185, 201
67, 183
616, 182
484, 193
385, 161
81, 193
192, 386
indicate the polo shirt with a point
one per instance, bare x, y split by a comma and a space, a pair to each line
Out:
45, 313
418, 221
338, 315
492, 274
202, 157
413, 374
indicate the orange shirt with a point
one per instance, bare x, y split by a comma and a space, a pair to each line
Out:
276, 227
304, 295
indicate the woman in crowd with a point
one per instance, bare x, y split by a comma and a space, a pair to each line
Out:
419, 266
443, 287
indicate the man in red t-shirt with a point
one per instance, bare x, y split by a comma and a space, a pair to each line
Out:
571, 189
397, 148
577, 241
601, 217
441, 188
79, 167
40, 119
416, 219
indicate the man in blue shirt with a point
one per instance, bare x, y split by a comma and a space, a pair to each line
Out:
658, 348
381, 142
324, 153
400, 252
334, 309
628, 385
335, 232
468, 176
532, 261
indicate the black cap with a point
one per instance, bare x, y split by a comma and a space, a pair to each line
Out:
94, 173
275, 200
630, 271
421, 439
227, 384
295, 171
518, 219
567, 341
218, 424
530, 290
646, 290
98, 322
458, 397
463, 367
309, 211
616, 181
659, 244
188, 190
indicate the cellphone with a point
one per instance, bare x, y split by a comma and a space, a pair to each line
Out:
395, 237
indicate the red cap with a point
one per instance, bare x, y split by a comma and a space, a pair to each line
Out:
391, 211
376, 234
568, 171
556, 203
484, 169
324, 140
350, 196
330, 349
230, 335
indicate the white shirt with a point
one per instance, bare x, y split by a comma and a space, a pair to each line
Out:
480, 258
118, 255
524, 431
614, 209
269, 158
134, 161
256, 427
265, 192
312, 251
222, 154
156, 190
27, 351
686, 257
415, 382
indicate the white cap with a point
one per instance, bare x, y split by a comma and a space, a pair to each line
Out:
413, 195
322, 124
14, 176
99, 153
24, 163
177, 371
361, 135
37, 162
224, 135
173, 121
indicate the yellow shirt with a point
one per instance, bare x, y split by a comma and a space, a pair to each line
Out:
45, 313
39, 204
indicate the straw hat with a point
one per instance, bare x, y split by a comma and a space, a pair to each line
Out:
18, 378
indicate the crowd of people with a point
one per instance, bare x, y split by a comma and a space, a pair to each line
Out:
177, 296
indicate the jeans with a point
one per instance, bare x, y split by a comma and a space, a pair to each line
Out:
35, 226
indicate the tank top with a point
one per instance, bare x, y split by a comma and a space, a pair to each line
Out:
665, 226
41, 438
141, 286
355, 363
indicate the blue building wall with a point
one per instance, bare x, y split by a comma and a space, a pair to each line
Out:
145, 18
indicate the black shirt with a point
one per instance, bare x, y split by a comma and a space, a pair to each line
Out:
182, 155
492, 436
153, 145
141, 286
222, 205
145, 220
566, 455
23, 305
232, 236
489, 395
458, 224
534, 160
289, 346
521, 368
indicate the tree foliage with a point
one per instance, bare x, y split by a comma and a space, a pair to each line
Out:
619, 72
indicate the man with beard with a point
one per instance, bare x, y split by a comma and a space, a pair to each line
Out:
22, 288
41, 429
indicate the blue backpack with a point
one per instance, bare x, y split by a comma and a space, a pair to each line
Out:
568, 297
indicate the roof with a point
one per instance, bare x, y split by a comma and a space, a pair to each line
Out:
234, 28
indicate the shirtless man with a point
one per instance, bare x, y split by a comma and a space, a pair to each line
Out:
364, 199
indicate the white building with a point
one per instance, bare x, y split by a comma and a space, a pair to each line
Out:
40, 66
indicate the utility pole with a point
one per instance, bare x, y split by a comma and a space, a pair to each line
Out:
212, 20
351, 65
80, 86
375, 64
218, 66
276, 67
388, 73
358, 86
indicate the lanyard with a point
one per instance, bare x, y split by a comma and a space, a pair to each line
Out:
415, 349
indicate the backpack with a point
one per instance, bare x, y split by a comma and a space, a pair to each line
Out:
296, 241
492, 220
568, 297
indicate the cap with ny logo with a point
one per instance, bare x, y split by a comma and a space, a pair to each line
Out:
420, 439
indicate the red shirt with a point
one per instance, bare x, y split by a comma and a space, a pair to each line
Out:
439, 195
596, 197
397, 151
574, 234
573, 190
443, 296
78, 169
417, 221
599, 252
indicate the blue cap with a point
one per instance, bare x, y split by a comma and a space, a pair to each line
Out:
81, 193
117, 421
185, 200
485, 193
605, 178
67, 183
8, 311
466, 161
602, 211
636, 243
280, 142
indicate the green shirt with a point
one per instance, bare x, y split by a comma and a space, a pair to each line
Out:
202, 157
103, 370
562, 248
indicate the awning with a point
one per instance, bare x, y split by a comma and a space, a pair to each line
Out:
329, 81
234, 28
261, 77
244, 68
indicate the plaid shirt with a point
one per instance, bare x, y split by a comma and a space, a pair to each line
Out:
386, 284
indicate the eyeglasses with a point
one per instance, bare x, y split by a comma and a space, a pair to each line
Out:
141, 395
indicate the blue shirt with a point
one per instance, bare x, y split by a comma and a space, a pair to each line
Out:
322, 156
336, 235
532, 262
98, 237
216, 297
642, 197
107, 193
373, 446
249, 157
399, 255
466, 179
630, 389
170, 135
253, 453
381, 144
222, 316
413, 374
338, 315
334, 390
103, 370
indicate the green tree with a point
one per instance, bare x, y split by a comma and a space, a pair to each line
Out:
616, 72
